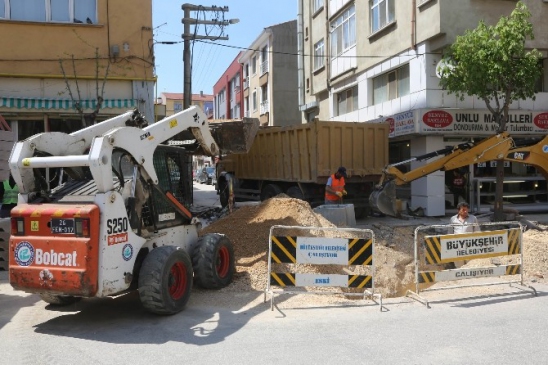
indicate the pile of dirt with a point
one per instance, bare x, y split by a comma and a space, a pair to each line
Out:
248, 228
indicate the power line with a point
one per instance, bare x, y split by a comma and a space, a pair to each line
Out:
308, 55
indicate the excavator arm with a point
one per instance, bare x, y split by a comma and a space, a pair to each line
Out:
383, 198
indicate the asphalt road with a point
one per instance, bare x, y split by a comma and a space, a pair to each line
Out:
503, 325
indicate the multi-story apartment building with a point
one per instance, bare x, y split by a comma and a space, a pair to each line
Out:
229, 103
270, 76
62, 56
174, 103
375, 60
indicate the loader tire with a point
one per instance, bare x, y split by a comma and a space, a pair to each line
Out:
295, 192
59, 300
213, 261
165, 280
270, 191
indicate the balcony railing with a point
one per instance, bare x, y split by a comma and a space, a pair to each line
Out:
264, 67
247, 114
264, 107
246, 82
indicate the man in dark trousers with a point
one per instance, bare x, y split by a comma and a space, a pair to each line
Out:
8, 196
457, 185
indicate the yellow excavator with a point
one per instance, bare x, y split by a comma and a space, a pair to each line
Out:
498, 147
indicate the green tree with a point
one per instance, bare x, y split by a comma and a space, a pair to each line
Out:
493, 64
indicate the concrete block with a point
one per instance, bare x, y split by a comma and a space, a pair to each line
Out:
341, 215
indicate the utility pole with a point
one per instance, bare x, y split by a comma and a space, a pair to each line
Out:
188, 37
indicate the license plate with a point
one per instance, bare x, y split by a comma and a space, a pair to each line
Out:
62, 226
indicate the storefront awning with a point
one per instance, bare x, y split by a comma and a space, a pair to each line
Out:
38, 103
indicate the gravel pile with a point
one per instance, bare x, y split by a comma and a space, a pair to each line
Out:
248, 228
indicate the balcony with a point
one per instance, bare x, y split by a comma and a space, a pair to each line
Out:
246, 82
264, 67
264, 107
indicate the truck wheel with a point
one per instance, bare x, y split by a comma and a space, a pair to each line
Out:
165, 280
270, 191
224, 194
295, 192
59, 300
213, 261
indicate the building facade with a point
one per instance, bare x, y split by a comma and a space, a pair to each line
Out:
375, 61
64, 58
174, 103
227, 95
270, 76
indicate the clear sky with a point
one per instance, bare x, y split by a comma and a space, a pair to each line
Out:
210, 60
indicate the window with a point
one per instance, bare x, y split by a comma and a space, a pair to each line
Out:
254, 65
391, 85
254, 101
319, 53
343, 32
382, 13
61, 11
177, 106
316, 5
347, 101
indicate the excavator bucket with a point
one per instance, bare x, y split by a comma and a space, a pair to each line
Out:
235, 136
383, 200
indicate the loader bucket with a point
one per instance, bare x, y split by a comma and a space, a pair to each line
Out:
383, 200
235, 136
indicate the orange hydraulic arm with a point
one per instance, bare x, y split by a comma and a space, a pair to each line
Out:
536, 155
493, 148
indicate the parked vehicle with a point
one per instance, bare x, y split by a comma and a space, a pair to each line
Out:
206, 175
298, 160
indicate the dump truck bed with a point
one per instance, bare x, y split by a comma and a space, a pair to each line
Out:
312, 152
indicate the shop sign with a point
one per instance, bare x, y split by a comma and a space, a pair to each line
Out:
473, 122
401, 124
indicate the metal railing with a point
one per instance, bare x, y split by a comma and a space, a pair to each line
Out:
264, 107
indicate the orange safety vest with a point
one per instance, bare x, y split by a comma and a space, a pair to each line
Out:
337, 185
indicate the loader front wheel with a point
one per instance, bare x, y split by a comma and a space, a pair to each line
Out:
213, 261
59, 300
165, 280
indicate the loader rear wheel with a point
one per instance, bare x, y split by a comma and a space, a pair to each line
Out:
59, 300
295, 192
213, 261
165, 280
270, 191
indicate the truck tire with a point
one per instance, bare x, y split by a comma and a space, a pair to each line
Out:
295, 192
224, 194
165, 280
213, 261
270, 191
59, 300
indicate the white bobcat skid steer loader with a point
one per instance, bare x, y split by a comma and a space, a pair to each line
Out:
119, 217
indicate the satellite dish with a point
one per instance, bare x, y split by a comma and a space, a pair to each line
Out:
443, 64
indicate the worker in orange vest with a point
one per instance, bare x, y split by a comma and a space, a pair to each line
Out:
334, 189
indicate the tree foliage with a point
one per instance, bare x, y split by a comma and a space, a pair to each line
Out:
492, 63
